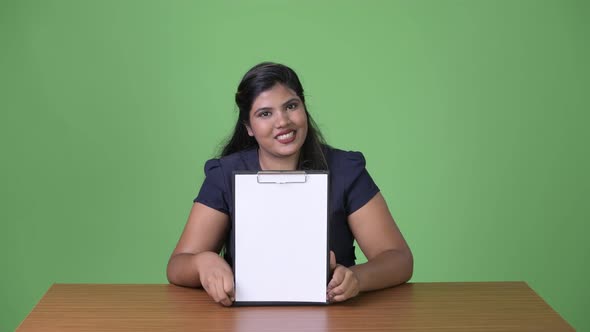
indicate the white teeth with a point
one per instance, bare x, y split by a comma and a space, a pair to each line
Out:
286, 136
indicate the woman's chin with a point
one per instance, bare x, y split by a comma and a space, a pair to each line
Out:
288, 150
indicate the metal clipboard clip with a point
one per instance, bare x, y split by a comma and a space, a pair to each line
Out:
281, 177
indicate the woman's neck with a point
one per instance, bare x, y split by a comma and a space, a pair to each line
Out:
272, 163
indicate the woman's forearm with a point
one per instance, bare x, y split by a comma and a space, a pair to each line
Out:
183, 270
390, 268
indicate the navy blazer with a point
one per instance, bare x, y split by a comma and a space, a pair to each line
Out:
351, 187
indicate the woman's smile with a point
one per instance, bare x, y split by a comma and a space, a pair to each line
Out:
286, 137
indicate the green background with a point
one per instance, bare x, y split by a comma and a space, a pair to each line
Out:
473, 117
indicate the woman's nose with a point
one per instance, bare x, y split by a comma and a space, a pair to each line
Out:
283, 119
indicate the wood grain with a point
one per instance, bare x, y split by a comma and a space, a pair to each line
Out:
500, 306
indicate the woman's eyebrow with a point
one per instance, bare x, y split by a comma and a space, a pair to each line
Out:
268, 108
290, 101
263, 109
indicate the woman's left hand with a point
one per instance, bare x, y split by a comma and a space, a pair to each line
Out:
344, 284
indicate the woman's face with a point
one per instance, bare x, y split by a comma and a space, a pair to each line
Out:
278, 122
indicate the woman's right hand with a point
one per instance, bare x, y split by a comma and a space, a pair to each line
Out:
216, 277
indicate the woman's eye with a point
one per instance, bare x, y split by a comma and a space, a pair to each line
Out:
292, 106
264, 114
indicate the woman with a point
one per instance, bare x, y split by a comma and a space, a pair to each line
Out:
274, 131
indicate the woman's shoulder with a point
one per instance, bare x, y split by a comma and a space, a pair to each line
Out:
241, 160
343, 160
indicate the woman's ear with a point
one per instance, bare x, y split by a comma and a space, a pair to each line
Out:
250, 133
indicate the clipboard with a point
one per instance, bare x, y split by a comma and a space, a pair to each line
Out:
280, 237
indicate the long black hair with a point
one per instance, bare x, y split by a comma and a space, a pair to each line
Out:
262, 77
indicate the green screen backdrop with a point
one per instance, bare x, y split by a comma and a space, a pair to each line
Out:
473, 117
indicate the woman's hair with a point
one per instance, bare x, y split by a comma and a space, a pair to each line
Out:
263, 77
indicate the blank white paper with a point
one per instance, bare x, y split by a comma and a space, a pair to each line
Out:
281, 234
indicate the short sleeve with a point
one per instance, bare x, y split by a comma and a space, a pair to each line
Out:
362, 187
213, 190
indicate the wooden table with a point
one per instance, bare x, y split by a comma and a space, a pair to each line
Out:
498, 306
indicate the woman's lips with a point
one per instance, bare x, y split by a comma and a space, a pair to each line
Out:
286, 138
